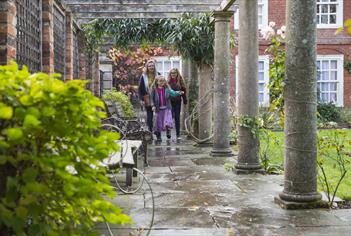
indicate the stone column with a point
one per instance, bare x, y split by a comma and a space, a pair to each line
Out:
247, 101
82, 56
300, 96
47, 36
222, 58
69, 46
96, 74
193, 96
205, 104
185, 108
7, 31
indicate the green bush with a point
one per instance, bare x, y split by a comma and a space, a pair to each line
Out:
51, 147
122, 99
328, 112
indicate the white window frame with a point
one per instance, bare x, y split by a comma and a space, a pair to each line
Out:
339, 15
264, 16
163, 59
265, 59
340, 76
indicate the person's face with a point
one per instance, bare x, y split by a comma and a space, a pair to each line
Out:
161, 82
151, 67
173, 74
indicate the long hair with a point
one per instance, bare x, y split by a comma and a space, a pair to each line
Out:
146, 70
179, 78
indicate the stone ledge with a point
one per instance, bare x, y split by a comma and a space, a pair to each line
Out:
300, 205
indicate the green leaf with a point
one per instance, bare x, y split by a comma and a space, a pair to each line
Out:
14, 134
30, 174
26, 100
31, 121
6, 112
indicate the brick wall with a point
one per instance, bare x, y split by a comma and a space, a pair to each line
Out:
327, 43
7, 31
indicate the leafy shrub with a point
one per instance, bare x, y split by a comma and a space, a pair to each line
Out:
120, 98
333, 149
51, 179
345, 116
328, 112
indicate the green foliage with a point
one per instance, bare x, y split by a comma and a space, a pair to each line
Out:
51, 149
193, 37
254, 124
120, 98
333, 149
276, 77
328, 112
347, 66
347, 26
269, 143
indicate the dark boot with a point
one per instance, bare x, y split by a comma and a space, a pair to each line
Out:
168, 133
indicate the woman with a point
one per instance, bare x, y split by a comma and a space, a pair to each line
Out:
144, 89
176, 82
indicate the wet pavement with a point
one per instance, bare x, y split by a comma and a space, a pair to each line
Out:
195, 196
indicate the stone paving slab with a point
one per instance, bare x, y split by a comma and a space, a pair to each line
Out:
194, 195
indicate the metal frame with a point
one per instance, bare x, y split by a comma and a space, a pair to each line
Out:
29, 34
59, 22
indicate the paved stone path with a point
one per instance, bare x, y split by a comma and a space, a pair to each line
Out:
196, 196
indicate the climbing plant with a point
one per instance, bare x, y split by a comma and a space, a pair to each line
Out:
191, 35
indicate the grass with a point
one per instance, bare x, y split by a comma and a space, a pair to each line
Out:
275, 153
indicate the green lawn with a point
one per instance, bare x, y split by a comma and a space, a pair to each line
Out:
276, 155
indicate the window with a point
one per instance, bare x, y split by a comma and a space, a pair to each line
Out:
165, 64
330, 79
329, 13
263, 79
262, 15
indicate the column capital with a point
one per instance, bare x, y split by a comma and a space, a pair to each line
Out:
222, 15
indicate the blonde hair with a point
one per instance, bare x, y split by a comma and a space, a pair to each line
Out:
146, 70
159, 78
180, 80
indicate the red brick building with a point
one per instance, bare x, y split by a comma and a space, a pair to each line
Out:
333, 51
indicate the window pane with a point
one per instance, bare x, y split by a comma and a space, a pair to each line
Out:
332, 19
324, 8
325, 65
333, 97
167, 66
332, 8
324, 97
176, 64
260, 97
318, 65
333, 75
260, 66
332, 87
260, 76
325, 75
159, 66
333, 64
324, 19
260, 87
325, 87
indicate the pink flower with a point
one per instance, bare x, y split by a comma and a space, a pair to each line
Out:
267, 33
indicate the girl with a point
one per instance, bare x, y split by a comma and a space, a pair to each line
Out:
175, 80
145, 82
161, 104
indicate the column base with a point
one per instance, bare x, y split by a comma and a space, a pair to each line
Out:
303, 198
206, 144
288, 205
244, 169
221, 152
